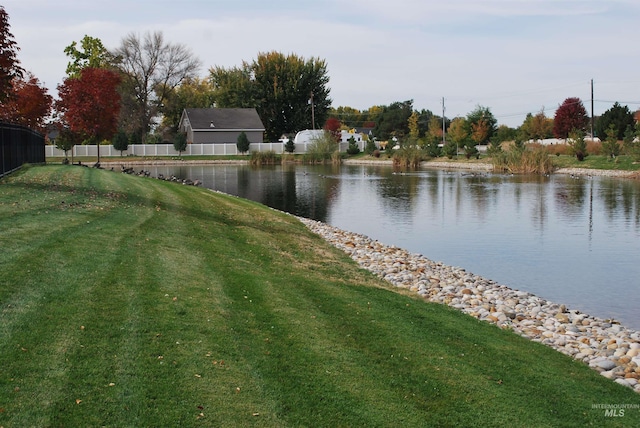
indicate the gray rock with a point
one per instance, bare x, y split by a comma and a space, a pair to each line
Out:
606, 364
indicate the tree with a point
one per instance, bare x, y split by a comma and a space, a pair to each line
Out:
578, 144
450, 149
233, 87
180, 142
152, 69
28, 104
289, 146
617, 116
470, 149
458, 134
536, 127
91, 54
242, 143
393, 120
610, 145
65, 141
121, 141
350, 116
502, 134
628, 142
632, 142
479, 131
569, 116
191, 93
333, 125
481, 124
9, 64
425, 121
89, 105
434, 131
353, 148
370, 147
289, 92
412, 124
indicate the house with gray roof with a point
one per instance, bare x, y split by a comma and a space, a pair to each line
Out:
221, 125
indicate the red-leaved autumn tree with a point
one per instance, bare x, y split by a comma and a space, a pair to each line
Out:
569, 116
333, 125
28, 104
89, 104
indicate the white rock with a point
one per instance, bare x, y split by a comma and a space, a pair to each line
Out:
622, 382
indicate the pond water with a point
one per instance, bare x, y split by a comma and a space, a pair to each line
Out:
569, 240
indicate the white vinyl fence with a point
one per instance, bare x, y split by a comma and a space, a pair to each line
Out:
168, 150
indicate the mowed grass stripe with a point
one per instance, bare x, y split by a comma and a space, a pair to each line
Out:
177, 306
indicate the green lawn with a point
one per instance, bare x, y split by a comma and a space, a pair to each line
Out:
129, 302
620, 163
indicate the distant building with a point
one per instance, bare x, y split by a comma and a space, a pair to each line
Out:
352, 133
221, 125
308, 136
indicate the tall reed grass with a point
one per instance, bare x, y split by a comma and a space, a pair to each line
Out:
322, 149
533, 160
408, 157
264, 158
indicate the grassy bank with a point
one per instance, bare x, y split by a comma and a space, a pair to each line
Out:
129, 301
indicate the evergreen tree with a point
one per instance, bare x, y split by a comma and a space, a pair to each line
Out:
353, 147
120, 141
9, 63
617, 116
180, 143
243, 143
578, 144
610, 145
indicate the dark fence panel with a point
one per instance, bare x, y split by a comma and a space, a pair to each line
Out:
19, 145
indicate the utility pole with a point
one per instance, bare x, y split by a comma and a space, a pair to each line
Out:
443, 131
591, 109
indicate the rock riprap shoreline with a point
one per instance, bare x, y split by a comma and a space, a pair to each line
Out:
605, 345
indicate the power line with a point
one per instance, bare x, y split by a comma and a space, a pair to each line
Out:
619, 102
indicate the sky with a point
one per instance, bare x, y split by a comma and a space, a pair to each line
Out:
512, 56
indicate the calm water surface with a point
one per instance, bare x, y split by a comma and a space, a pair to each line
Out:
571, 241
